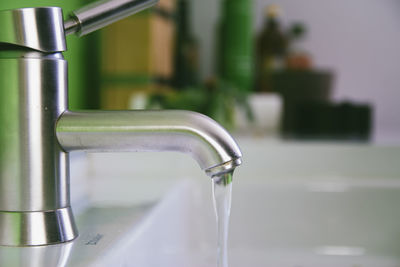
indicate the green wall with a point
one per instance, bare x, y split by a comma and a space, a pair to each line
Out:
81, 54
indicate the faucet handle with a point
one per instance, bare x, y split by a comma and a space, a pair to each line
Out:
102, 13
43, 29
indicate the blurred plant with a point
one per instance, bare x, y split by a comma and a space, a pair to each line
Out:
216, 98
297, 31
223, 98
279, 48
297, 58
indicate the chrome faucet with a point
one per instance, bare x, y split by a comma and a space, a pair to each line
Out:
37, 131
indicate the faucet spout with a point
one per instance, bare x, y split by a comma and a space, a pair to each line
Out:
204, 139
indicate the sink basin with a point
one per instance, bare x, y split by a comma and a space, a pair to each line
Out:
276, 223
282, 223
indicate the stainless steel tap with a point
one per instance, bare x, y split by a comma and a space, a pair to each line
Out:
37, 131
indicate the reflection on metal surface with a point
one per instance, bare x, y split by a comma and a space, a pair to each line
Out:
42, 256
37, 227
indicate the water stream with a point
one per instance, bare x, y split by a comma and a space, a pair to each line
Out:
222, 192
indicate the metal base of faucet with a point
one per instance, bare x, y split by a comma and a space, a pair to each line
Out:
37, 228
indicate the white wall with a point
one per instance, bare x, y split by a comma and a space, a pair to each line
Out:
358, 39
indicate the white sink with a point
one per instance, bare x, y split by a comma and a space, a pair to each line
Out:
289, 223
275, 223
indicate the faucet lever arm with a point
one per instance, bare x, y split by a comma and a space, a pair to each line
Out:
102, 13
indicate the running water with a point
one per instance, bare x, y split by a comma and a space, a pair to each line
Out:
222, 191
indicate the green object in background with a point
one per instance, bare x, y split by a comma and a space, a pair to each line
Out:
235, 44
77, 53
186, 49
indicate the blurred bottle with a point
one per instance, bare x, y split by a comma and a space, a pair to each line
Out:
235, 44
272, 48
186, 49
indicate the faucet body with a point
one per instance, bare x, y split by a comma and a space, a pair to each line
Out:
37, 131
34, 189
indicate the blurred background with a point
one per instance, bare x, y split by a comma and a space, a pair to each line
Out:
284, 69
325, 71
